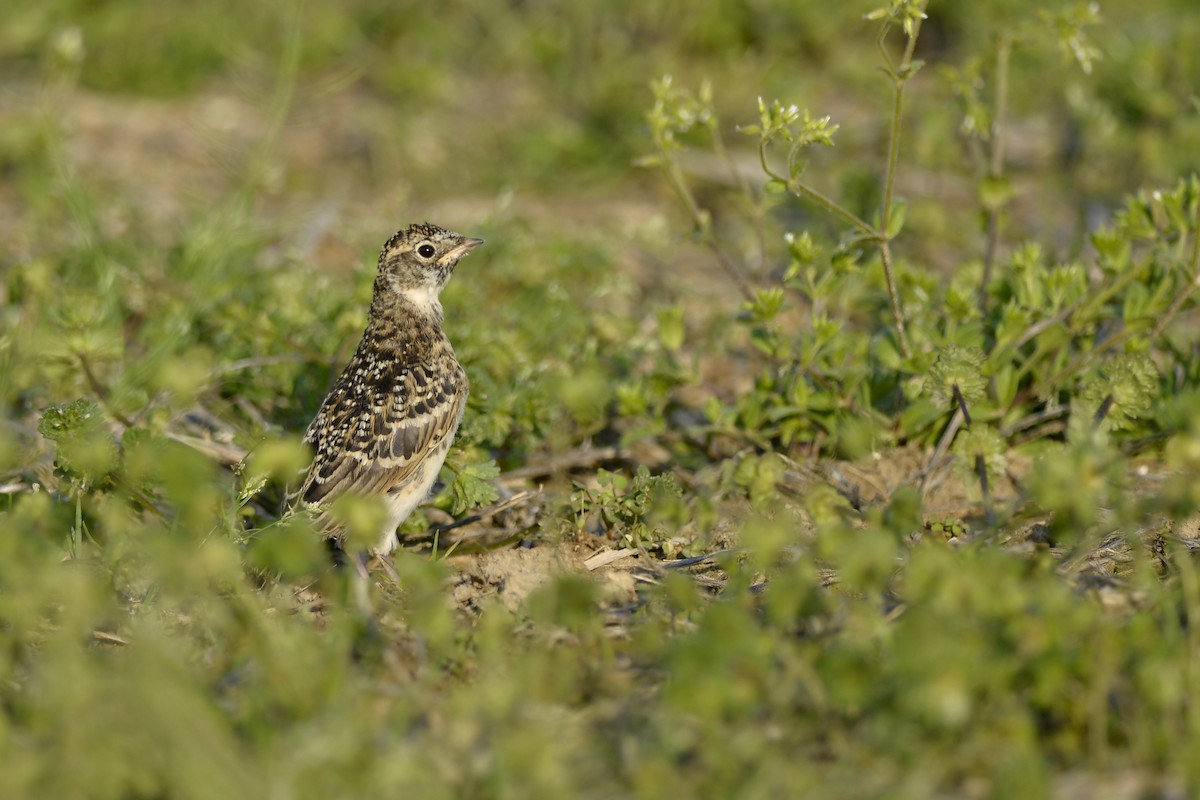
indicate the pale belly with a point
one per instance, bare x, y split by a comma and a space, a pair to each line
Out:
403, 501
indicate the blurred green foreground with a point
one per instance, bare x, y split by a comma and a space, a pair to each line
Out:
954, 557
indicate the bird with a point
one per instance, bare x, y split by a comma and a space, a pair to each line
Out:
385, 427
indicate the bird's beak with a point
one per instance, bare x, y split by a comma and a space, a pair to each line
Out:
465, 245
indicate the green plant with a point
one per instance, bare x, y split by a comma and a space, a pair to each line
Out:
622, 506
885, 489
1012, 353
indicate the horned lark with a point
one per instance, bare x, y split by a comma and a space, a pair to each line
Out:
386, 426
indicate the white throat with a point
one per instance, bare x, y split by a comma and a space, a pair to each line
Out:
425, 298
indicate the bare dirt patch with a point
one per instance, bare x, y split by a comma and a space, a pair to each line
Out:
510, 575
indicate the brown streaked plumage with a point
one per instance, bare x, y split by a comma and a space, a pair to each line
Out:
387, 424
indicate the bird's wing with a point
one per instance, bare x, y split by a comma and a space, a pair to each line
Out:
370, 437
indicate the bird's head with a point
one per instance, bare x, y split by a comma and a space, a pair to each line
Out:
417, 262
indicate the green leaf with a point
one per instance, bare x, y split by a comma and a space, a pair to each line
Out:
69, 420
1136, 303
886, 350
473, 486
670, 328
985, 442
1006, 380
85, 448
905, 13
766, 305
919, 416
1125, 391
956, 366
995, 192
759, 476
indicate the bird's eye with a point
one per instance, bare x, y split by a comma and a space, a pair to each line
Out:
426, 250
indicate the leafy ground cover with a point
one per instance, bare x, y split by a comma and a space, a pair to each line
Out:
832, 429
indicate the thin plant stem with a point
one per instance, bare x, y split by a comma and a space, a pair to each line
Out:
899, 75
101, 391
1033, 420
889, 273
996, 166
981, 471
940, 451
743, 185
1190, 589
962, 405
834, 208
703, 223
799, 187
1102, 411
1182, 297
77, 528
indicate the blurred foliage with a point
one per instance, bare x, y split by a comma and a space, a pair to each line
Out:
691, 375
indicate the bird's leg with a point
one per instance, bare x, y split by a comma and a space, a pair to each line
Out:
361, 585
384, 560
